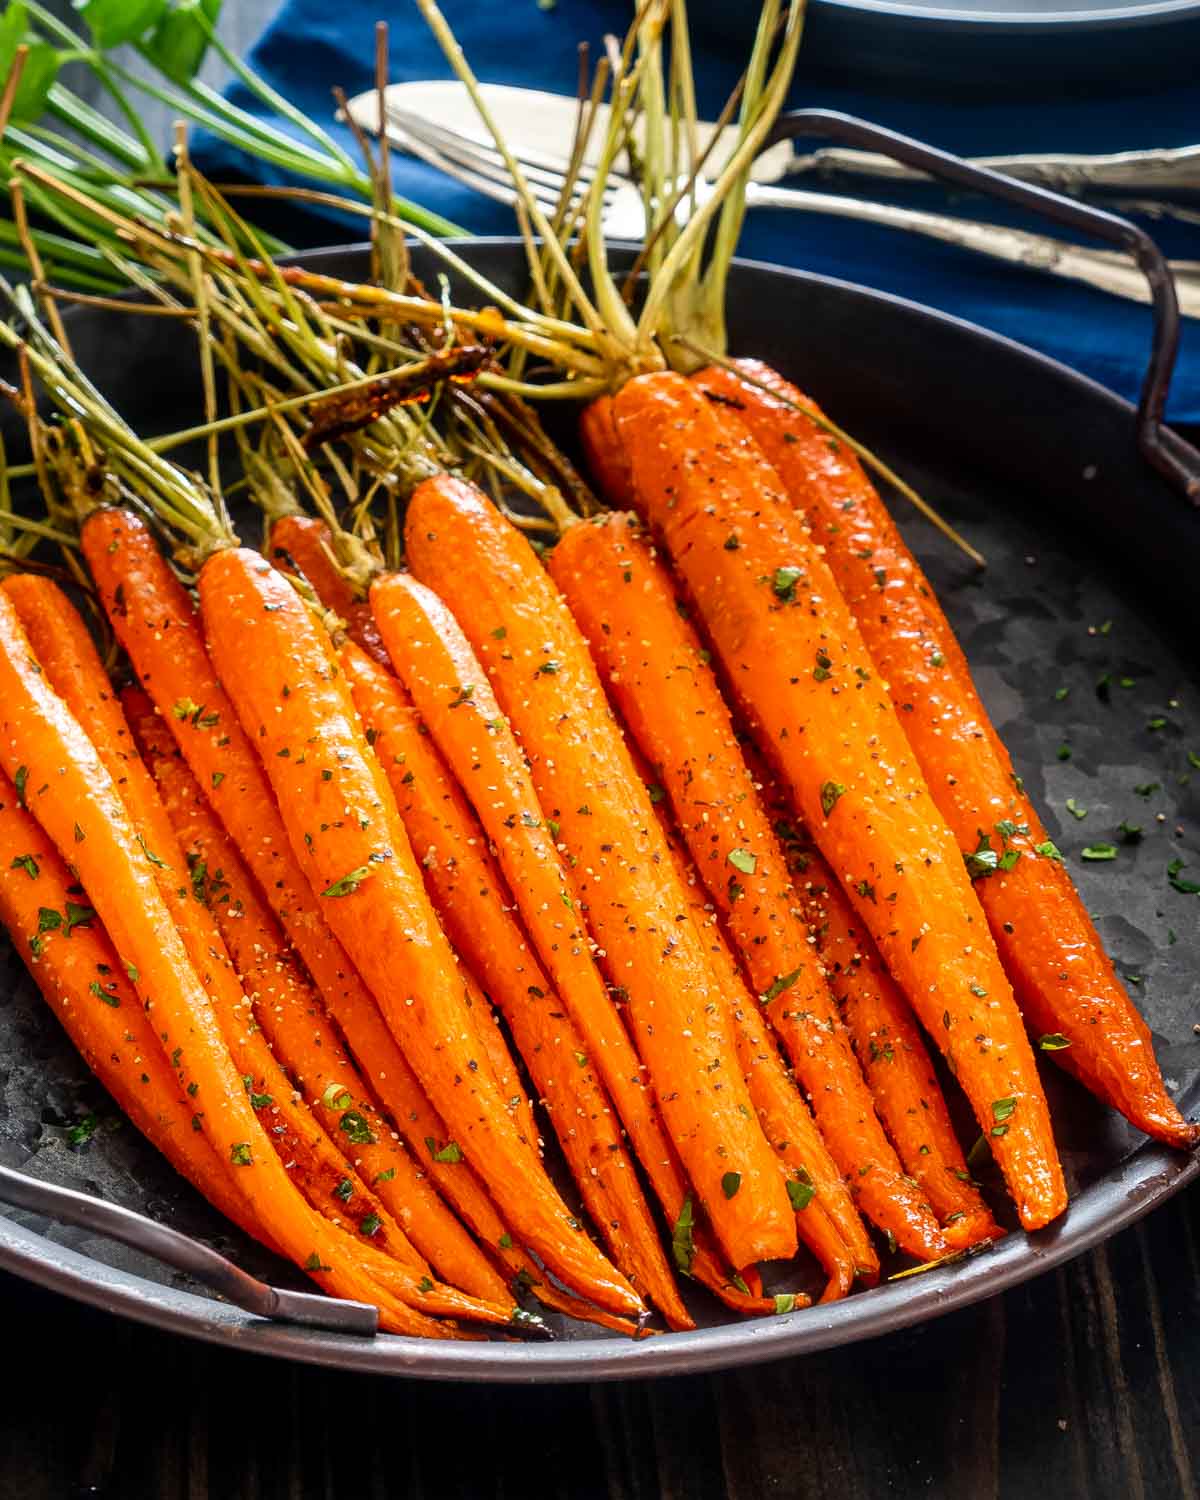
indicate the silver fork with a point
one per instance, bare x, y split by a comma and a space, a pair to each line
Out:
480, 166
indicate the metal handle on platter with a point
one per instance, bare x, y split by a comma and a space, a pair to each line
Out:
1176, 460
187, 1255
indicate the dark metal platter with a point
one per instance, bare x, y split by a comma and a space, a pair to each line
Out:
1039, 467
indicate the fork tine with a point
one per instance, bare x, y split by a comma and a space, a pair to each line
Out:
491, 185
547, 169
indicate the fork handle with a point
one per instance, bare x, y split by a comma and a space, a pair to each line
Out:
1164, 450
1170, 170
1038, 252
187, 1255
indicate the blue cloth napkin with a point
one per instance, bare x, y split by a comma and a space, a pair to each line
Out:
313, 45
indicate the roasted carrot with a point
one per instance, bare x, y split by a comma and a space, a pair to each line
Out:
826, 1218
44, 751
305, 543
636, 912
1065, 982
344, 829
77, 970
469, 892
658, 675
607, 461
796, 661
156, 623
534, 872
294, 1020
70, 664
884, 1031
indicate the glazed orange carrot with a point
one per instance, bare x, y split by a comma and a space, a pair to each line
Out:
306, 544
826, 1218
797, 663
70, 664
607, 461
294, 1020
469, 892
1065, 982
343, 827
77, 970
519, 627
534, 871
881, 1023
154, 620
658, 676
43, 750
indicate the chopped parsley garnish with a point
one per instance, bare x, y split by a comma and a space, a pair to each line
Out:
785, 1302
801, 1191
344, 1190
1053, 1041
1048, 850
1075, 810
372, 1224
449, 1153
784, 982
1099, 851
27, 863
1178, 883
730, 1183
81, 1133
831, 791
743, 860
783, 585
354, 1126
983, 859
239, 1154
348, 884
682, 1246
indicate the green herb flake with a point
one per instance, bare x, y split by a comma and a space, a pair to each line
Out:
1002, 1109
1053, 1041
1098, 852
82, 1132
239, 1154
656, 794
1131, 833
261, 1101
831, 791
801, 1191
783, 585
314, 1263
348, 884
1063, 752
372, 1224
548, 668
983, 859
1075, 810
97, 989
450, 1153
1048, 850
344, 1190
1148, 788
27, 863
1060, 694
743, 860
784, 982
682, 1246
730, 1183
505, 1241
20, 782
354, 1127
785, 1302
1178, 883
1156, 724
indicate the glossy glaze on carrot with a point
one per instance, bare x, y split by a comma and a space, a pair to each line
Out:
468, 890
1064, 980
659, 677
344, 829
798, 666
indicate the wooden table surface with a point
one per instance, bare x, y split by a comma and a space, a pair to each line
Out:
1084, 1383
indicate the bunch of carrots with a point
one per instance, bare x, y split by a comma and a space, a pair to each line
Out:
677, 843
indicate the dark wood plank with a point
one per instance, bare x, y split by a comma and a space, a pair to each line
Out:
1084, 1383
